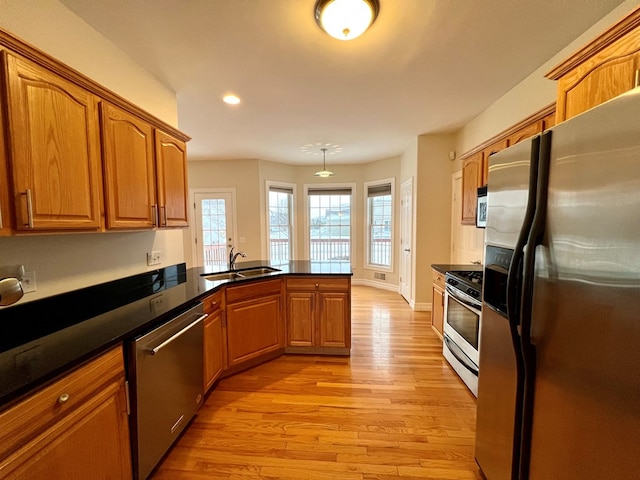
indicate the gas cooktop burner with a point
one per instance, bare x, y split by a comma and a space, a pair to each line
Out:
467, 281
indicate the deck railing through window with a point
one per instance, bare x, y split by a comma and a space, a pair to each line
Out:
380, 253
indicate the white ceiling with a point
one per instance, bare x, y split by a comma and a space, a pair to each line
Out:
425, 66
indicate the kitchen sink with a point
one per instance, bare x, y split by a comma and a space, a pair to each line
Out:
242, 273
222, 276
253, 272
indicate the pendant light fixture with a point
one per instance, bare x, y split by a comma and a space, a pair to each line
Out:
346, 19
324, 173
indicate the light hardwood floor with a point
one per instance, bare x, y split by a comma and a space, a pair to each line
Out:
394, 410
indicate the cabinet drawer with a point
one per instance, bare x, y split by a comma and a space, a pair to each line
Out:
318, 283
253, 289
213, 302
438, 278
38, 412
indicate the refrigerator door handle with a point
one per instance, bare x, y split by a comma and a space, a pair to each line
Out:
534, 239
514, 296
514, 277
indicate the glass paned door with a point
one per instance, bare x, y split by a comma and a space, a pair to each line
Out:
214, 212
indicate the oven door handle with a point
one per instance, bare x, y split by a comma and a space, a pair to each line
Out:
155, 350
460, 357
464, 299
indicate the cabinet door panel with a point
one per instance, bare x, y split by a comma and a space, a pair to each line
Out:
171, 167
333, 326
213, 349
254, 327
300, 319
55, 156
91, 442
437, 309
129, 170
600, 85
471, 180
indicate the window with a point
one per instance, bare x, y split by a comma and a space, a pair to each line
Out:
379, 224
215, 226
330, 232
280, 215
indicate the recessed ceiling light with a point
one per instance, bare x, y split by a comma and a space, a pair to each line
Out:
231, 99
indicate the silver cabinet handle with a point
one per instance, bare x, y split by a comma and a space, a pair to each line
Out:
64, 398
164, 215
637, 81
29, 208
175, 336
154, 214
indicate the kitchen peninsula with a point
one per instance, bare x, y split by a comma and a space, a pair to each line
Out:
47, 342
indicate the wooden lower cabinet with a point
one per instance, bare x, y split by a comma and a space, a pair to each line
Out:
301, 330
318, 315
214, 339
254, 321
75, 428
437, 303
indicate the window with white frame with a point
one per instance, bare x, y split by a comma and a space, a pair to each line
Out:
330, 230
379, 224
280, 218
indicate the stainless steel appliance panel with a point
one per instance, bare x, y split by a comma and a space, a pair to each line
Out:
497, 381
586, 304
168, 385
507, 193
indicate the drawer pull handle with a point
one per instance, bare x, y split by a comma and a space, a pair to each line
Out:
317, 285
29, 208
64, 398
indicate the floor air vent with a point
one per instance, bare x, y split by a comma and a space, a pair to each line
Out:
380, 276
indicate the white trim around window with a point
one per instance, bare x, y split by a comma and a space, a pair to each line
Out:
288, 188
371, 189
328, 187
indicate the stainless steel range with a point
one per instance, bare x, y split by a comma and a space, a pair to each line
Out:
462, 315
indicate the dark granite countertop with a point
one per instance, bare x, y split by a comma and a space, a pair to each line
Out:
444, 268
42, 339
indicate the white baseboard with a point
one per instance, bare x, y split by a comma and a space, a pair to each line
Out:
418, 307
421, 307
375, 284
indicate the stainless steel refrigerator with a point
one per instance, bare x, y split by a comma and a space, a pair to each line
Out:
559, 373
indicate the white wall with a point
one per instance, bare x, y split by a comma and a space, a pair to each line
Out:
249, 178
69, 261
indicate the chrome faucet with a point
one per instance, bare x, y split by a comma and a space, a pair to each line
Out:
233, 257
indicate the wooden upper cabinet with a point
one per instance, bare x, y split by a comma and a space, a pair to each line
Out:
527, 132
486, 153
6, 214
171, 168
54, 154
604, 69
549, 121
471, 180
130, 189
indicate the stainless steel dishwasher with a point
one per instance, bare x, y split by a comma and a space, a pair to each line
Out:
165, 374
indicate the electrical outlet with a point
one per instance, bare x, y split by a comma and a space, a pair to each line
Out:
153, 258
29, 281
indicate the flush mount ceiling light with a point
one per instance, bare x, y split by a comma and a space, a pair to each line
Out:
231, 99
324, 173
346, 19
